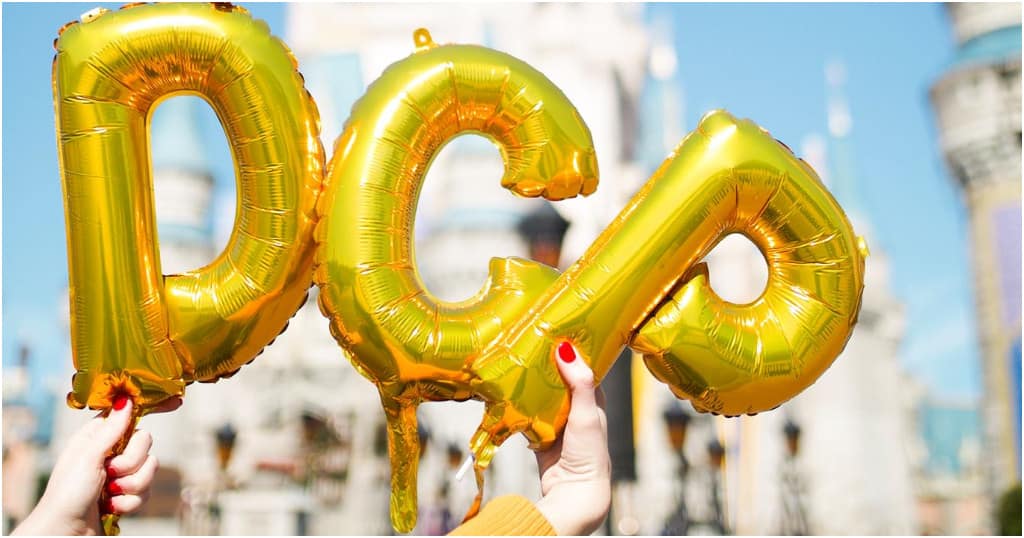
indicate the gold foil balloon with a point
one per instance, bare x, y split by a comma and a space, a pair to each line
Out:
139, 333
727, 176
412, 345
639, 284
135, 331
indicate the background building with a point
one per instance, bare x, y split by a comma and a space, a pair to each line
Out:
21, 449
978, 109
853, 422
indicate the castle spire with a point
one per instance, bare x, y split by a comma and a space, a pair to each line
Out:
177, 137
842, 170
662, 108
182, 185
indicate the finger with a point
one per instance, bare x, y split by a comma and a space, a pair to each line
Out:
126, 504
133, 457
106, 432
136, 483
576, 374
584, 415
167, 405
83, 435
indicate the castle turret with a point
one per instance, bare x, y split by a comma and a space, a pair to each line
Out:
182, 185
978, 107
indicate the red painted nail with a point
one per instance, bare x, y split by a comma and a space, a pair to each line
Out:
111, 472
120, 402
566, 352
108, 506
114, 488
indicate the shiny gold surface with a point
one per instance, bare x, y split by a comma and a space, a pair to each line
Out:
134, 330
640, 284
412, 345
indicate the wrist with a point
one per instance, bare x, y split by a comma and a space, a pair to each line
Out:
40, 521
555, 514
575, 511
46, 518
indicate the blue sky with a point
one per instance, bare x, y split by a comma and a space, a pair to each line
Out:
762, 61
766, 62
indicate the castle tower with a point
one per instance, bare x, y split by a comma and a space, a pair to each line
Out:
978, 108
20, 450
852, 420
856, 419
182, 186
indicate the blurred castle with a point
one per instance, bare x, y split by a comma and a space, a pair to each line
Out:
292, 444
978, 106
20, 453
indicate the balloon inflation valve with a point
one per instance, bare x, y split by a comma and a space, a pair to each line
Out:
422, 39
93, 14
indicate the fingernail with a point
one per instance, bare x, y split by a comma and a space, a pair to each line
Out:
111, 472
566, 352
108, 506
114, 488
120, 402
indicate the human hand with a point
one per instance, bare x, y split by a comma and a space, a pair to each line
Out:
70, 504
575, 473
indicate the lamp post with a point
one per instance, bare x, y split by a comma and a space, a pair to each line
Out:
326, 457
792, 432
200, 510
716, 459
226, 436
794, 514
543, 230
677, 421
314, 439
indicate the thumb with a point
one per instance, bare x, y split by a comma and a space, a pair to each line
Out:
110, 428
578, 377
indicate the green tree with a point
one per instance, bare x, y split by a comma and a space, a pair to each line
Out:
1008, 516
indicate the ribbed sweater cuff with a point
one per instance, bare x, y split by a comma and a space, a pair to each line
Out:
510, 515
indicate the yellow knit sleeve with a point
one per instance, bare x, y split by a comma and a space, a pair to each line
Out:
510, 515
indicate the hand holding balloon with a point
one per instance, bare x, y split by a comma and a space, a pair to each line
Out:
136, 332
413, 346
575, 473
84, 476
636, 286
